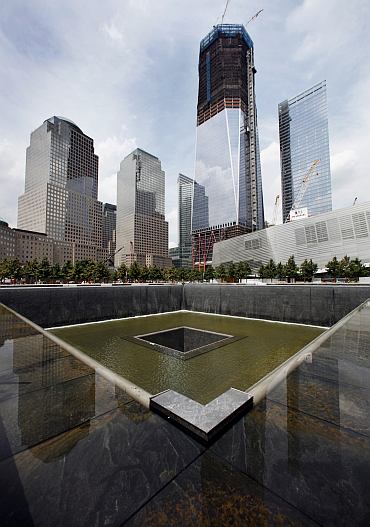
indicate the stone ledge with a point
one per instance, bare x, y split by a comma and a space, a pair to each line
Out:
203, 421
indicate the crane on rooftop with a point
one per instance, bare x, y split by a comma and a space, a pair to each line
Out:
302, 189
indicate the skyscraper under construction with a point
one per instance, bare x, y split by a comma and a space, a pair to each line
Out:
227, 151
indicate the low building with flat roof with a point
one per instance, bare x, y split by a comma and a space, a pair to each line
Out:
321, 237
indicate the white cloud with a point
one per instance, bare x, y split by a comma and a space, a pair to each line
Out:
111, 152
135, 62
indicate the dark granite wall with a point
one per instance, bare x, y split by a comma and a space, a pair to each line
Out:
72, 305
322, 304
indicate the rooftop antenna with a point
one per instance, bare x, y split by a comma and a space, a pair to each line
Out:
254, 16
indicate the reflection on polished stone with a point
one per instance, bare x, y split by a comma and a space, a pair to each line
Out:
77, 450
212, 493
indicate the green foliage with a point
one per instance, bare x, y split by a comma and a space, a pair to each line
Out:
121, 272
270, 270
155, 273
171, 274
291, 268
68, 271
357, 268
307, 270
209, 273
231, 271
44, 270
280, 271
242, 270
333, 267
220, 272
134, 271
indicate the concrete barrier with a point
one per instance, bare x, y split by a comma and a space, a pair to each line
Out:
322, 305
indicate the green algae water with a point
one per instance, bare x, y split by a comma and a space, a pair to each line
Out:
261, 347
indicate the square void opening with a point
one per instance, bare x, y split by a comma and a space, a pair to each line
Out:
184, 339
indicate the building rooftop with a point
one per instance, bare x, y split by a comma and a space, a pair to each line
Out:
69, 121
225, 30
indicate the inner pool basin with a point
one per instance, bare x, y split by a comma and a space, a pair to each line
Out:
220, 352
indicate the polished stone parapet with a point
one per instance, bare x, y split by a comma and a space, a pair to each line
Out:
204, 421
77, 450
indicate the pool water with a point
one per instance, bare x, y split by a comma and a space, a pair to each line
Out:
260, 347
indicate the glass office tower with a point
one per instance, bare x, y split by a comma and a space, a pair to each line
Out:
109, 228
190, 194
61, 185
304, 138
142, 231
227, 151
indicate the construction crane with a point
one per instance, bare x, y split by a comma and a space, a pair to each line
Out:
303, 187
276, 210
226, 6
254, 17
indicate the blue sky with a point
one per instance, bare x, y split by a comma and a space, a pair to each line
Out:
126, 72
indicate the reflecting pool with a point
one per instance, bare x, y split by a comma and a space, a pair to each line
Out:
257, 347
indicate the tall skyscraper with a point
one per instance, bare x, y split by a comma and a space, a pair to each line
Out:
304, 138
191, 196
109, 228
227, 151
141, 227
61, 186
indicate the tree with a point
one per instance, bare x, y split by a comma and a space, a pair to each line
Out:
31, 271
307, 270
122, 272
56, 272
194, 275
242, 270
280, 271
13, 269
345, 267
134, 271
270, 269
357, 268
44, 270
155, 273
145, 273
231, 271
221, 272
68, 271
291, 269
209, 273
170, 274
333, 267
262, 271
101, 272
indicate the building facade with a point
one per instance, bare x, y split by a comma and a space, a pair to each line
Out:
304, 139
109, 228
142, 231
227, 148
337, 233
61, 185
192, 201
27, 246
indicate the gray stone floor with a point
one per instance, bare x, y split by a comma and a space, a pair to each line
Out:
75, 450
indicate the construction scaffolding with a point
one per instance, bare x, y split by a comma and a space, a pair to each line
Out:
204, 240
